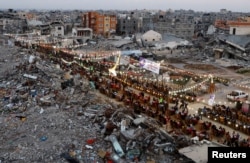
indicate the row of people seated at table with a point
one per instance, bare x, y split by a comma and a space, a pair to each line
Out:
229, 116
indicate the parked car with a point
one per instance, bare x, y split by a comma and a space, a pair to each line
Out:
237, 95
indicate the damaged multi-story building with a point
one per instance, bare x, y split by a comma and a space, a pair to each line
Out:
81, 34
54, 29
129, 24
180, 25
12, 22
101, 24
148, 23
202, 25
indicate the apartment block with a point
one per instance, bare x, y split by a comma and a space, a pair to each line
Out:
180, 24
180, 29
101, 24
129, 24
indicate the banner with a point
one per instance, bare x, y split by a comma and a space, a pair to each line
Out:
211, 100
150, 65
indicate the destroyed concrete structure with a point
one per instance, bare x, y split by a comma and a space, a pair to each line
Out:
55, 29
129, 25
10, 24
179, 25
81, 35
232, 47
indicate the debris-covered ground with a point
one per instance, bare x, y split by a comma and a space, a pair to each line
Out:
48, 115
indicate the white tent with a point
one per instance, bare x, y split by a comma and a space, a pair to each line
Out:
151, 36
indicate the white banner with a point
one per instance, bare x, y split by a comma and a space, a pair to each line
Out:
211, 100
150, 65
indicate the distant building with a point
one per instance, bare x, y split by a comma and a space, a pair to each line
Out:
33, 23
1, 26
129, 25
221, 26
180, 29
43, 29
223, 11
147, 24
13, 25
57, 29
26, 15
54, 29
82, 32
81, 35
219, 20
101, 24
239, 28
246, 18
11, 22
178, 24
202, 25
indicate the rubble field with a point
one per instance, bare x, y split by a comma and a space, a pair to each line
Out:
48, 115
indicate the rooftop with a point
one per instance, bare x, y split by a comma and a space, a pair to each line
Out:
238, 23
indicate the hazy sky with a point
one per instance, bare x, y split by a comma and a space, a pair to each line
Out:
197, 5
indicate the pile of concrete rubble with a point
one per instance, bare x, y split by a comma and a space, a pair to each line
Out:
49, 115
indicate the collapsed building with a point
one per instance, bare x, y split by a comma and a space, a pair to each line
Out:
236, 47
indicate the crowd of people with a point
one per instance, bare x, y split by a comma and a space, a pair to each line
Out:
231, 117
176, 116
152, 101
